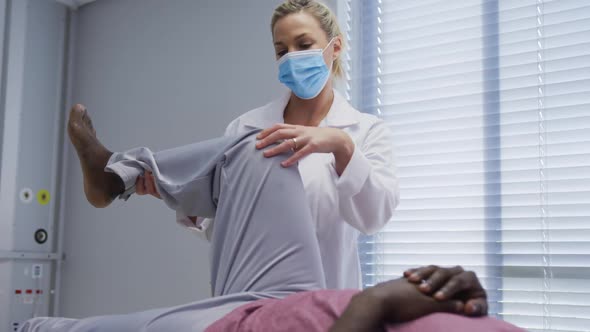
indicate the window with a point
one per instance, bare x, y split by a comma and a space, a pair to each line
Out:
489, 103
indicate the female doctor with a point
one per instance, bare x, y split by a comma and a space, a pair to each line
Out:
345, 157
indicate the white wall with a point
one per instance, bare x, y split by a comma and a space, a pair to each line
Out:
156, 74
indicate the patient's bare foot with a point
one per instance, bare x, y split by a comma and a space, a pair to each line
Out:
100, 187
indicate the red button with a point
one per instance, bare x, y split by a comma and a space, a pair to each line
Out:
18, 291
29, 291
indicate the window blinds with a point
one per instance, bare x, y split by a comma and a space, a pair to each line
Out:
489, 103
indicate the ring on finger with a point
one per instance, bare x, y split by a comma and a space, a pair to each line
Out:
294, 147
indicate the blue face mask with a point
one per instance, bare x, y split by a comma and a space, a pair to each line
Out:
305, 72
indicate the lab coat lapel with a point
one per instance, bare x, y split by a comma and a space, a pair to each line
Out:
341, 114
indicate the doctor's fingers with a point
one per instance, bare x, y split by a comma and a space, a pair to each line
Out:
281, 134
285, 146
298, 155
274, 128
145, 185
140, 185
150, 185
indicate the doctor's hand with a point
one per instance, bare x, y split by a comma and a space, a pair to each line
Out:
304, 140
451, 284
145, 185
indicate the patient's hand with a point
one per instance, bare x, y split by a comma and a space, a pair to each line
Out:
390, 302
451, 283
146, 185
402, 302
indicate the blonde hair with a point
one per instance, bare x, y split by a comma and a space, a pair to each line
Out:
321, 12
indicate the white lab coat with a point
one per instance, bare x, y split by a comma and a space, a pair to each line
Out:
361, 200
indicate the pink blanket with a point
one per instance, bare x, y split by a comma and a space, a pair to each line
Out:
317, 311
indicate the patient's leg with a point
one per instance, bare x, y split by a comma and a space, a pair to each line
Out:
263, 238
263, 243
100, 187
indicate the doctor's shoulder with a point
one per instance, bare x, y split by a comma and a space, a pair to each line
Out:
247, 121
372, 129
368, 121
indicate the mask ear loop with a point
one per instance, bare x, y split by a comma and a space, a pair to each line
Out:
330, 42
325, 48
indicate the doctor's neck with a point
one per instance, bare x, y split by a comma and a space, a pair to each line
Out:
309, 112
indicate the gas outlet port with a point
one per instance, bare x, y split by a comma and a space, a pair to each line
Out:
41, 236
